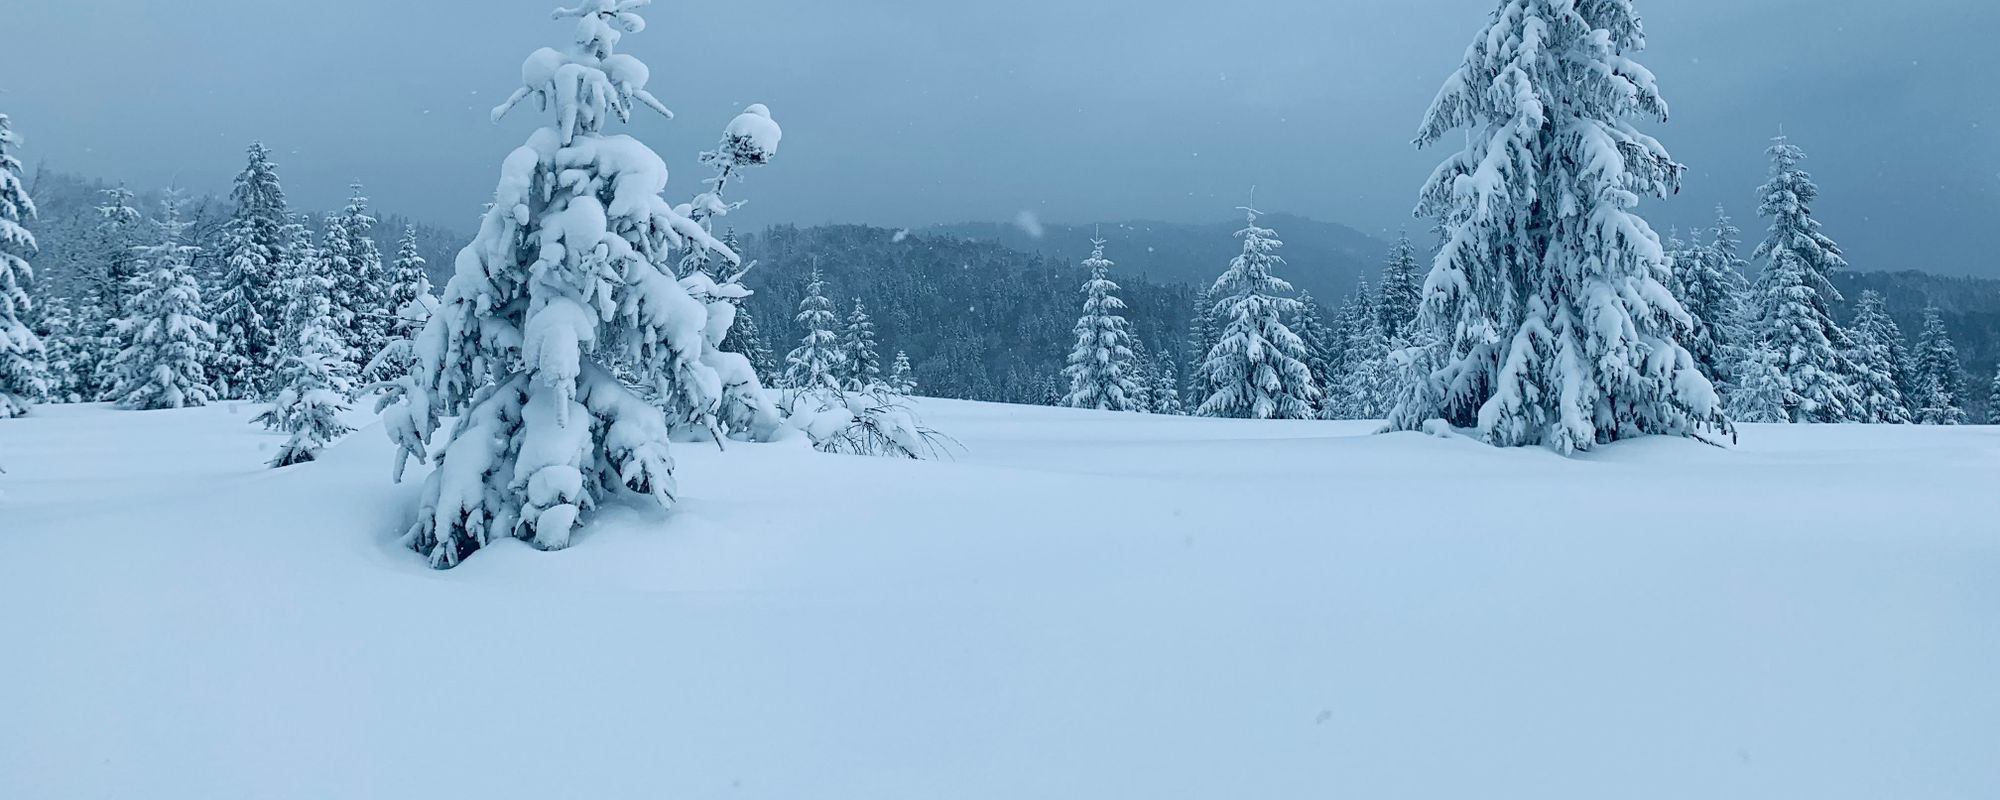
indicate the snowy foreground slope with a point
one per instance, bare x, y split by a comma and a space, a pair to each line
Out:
1082, 605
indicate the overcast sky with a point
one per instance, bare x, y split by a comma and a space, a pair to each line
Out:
909, 112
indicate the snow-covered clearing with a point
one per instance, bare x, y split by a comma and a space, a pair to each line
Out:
1081, 605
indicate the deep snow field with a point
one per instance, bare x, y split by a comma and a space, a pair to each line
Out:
1079, 605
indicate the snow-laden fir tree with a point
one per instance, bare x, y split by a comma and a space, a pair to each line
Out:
22, 358
1708, 280
1402, 289
1313, 330
312, 382
247, 306
169, 342
1993, 399
411, 303
1099, 365
108, 292
360, 299
860, 365
572, 269
814, 366
1762, 393
1794, 294
1202, 331
55, 325
1257, 365
1141, 373
1549, 291
1939, 379
902, 380
1876, 351
1166, 387
747, 337
1367, 382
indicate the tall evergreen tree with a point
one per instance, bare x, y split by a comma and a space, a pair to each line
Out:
1877, 353
1762, 392
312, 381
1141, 373
1993, 399
901, 380
1367, 383
163, 366
1166, 387
1551, 289
109, 289
1100, 363
860, 365
248, 305
360, 299
55, 325
1312, 330
1940, 380
1794, 294
1202, 330
1258, 366
1710, 286
814, 366
23, 360
522, 345
412, 302
1402, 289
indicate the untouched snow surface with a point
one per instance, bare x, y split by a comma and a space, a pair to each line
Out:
1081, 605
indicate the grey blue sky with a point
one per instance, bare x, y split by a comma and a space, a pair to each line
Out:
909, 112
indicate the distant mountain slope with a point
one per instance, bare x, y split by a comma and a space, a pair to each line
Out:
1322, 257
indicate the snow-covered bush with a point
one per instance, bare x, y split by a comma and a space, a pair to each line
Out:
870, 423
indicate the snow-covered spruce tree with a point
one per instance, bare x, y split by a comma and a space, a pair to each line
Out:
247, 306
1710, 286
813, 368
1258, 365
107, 295
1876, 352
22, 358
1762, 392
1939, 379
1794, 294
1312, 330
747, 337
572, 269
1140, 371
1166, 387
360, 299
411, 302
312, 380
1099, 364
860, 365
170, 344
1402, 289
55, 325
1201, 338
1549, 292
901, 380
1993, 399
1368, 383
